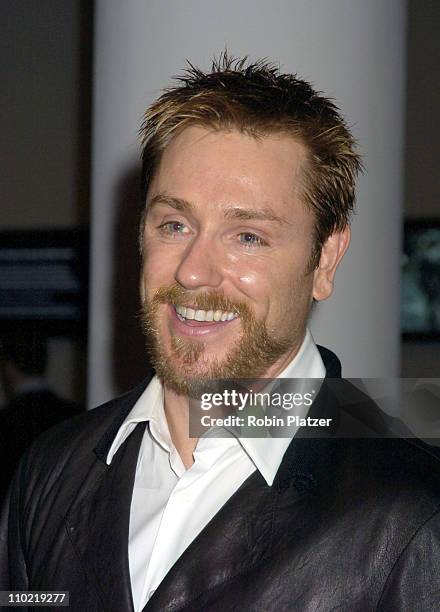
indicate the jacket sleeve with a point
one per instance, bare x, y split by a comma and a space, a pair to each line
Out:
414, 582
13, 574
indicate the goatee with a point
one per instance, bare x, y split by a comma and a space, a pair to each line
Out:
185, 369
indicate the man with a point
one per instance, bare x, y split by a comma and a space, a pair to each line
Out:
32, 406
249, 178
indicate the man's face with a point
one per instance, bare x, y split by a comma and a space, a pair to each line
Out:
226, 234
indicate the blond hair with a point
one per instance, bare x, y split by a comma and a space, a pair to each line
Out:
258, 100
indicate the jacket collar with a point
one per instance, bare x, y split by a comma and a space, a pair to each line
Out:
97, 525
332, 364
127, 402
244, 533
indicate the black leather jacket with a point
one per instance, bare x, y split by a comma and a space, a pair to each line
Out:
348, 525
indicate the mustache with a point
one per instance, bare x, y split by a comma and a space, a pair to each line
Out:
208, 300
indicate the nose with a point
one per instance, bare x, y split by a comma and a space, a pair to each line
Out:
200, 265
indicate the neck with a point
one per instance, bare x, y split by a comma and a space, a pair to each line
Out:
177, 409
281, 364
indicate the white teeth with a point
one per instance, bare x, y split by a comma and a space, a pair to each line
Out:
181, 310
190, 313
204, 315
200, 315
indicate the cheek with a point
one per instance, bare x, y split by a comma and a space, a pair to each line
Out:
248, 279
272, 281
159, 263
261, 287
253, 281
151, 276
291, 295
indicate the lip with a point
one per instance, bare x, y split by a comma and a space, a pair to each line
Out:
194, 328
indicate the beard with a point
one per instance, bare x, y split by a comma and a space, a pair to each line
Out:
184, 368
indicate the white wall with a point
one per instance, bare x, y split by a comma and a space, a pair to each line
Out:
352, 50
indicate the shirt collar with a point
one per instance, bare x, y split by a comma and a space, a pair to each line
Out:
265, 453
307, 363
149, 407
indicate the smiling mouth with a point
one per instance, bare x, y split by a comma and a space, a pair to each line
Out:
185, 313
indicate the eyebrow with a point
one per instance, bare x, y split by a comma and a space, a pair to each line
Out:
235, 212
177, 203
263, 214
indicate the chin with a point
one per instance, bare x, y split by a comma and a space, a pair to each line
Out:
182, 363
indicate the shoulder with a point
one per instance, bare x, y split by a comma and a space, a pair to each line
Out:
70, 447
390, 485
406, 519
393, 463
88, 427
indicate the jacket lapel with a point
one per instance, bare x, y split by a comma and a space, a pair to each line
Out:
245, 532
251, 523
238, 537
98, 524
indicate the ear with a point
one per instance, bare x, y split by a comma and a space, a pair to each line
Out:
331, 254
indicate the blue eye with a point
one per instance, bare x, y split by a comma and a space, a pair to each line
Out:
172, 227
251, 240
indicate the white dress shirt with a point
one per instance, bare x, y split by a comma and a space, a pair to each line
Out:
171, 505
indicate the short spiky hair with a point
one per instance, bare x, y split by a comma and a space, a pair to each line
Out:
258, 100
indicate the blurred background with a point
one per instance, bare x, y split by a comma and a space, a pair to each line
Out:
76, 76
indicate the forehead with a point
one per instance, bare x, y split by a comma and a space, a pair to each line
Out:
226, 167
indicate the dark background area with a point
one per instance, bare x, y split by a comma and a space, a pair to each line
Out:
422, 150
46, 75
